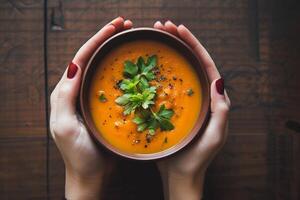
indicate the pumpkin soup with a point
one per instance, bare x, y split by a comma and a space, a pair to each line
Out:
144, 97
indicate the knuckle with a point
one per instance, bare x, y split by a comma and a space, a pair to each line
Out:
217, 142
229, 103
63, 127
64, 89
52, 96
223, 107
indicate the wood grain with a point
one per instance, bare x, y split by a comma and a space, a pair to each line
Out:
255, 44
22, 108
23, 168
23, 158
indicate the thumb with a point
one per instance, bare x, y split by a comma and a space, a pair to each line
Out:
68, 92
215, 133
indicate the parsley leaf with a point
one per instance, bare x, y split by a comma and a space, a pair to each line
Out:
130, 69
165, 113
152, 61
123, 100
190, 92
165, 124
138, 120
139, 97
102, 98
142, 127
141, 63
163, 117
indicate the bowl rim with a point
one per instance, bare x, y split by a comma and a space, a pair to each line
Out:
199, 124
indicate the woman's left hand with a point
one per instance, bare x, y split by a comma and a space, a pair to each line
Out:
85, 164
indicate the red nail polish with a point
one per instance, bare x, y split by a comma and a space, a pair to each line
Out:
72, 69
220, 86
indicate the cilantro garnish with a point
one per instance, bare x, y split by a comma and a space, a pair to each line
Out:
101, 96
139, 97
190, 92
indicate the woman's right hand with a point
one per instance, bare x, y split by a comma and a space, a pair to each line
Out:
183, 173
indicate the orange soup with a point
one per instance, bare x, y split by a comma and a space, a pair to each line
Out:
177, 88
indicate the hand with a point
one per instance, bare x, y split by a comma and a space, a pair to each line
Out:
183, 173
85, 164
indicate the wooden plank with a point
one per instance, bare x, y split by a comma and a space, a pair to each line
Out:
22, 108
23, 168
280, 33
56, 173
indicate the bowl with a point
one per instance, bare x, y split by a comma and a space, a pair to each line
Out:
149, 34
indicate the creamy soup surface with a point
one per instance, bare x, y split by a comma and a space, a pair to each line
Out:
180, 90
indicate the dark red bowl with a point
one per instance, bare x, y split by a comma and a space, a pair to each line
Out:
152, 34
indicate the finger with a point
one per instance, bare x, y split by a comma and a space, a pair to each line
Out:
159, 25
53, 100
81, 55
68, 92
171, 28
227, 99
86, 51
215, 133
128, 24
201, 52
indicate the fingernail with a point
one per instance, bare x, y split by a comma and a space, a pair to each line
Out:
220, 86
72, 69
113, 22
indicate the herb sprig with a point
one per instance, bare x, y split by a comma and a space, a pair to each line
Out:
139, 96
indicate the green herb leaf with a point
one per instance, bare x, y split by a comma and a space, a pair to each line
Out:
153, 124
139, 96
130, 69
129, 108
129, 85
147, 103
102, 98
138, 120
143, 84
123, 100
151, 132
142, 127
165, 113
150, 75
141, 63
152, 62
190, 92
165, 125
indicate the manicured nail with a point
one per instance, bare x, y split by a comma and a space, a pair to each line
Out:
114, 21
72, 69
220, 86
169, 22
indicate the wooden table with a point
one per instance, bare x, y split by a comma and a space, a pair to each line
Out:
255, 44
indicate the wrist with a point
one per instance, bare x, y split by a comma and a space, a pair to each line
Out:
178, 187
80, 187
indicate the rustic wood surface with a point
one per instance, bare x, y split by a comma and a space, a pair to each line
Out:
255, 44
